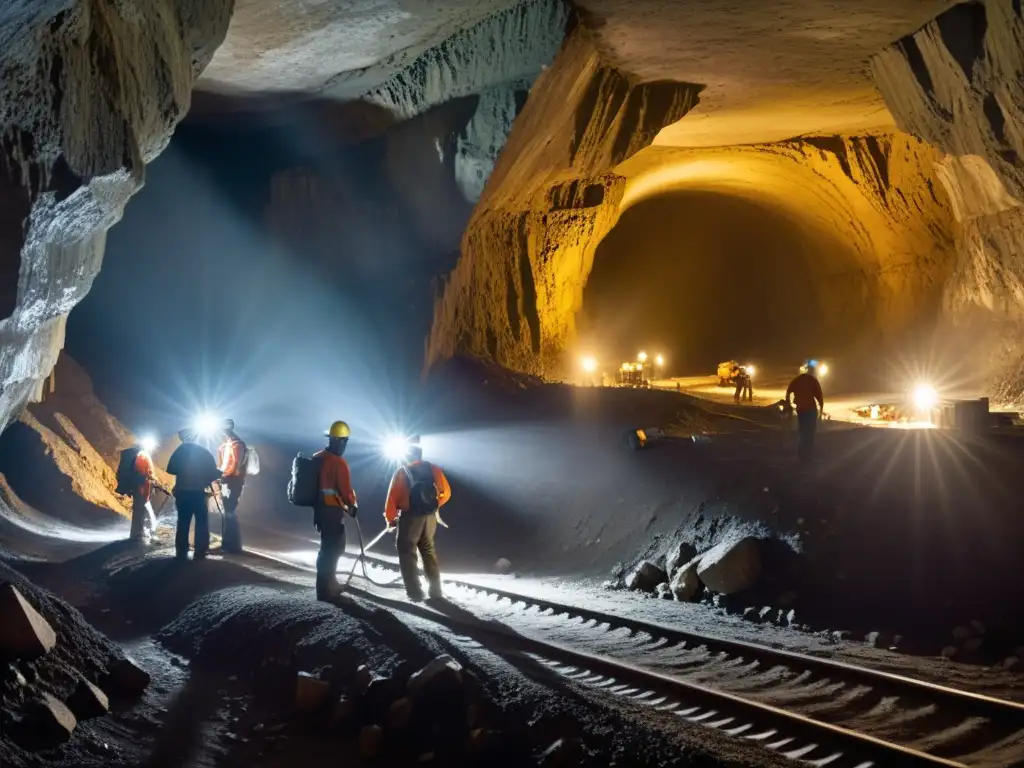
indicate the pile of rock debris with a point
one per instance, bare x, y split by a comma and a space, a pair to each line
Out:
731, 566
55, 670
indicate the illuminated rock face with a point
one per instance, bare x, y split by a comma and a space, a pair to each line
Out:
530, 244
956, 83
579, 154
91, 93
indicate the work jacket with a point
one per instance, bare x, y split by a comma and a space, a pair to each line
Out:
398, 492
335, 481
193, 466
144, 469
805, 390
231, 458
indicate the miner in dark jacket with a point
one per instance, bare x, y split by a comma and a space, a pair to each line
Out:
194, 469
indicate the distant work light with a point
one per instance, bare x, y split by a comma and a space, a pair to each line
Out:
148, 443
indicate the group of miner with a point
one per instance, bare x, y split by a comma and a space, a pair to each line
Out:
417, 491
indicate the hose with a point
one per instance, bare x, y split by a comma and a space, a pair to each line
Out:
361, 560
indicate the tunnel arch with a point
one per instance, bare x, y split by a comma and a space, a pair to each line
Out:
874, 228
704, 275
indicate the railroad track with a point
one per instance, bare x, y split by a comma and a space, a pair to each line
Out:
815, 710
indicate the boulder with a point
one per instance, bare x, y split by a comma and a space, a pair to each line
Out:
310, 692
343, 713
664, 591
371, 740
379, 697
731, 566
442, 672
502, 565
88, 701
126, 677
51, 723
678, 556
400, 714
686, 583
362, 679
24, 633
646, 577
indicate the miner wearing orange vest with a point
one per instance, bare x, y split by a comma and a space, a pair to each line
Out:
143, 519
336, 498
231, 463
418, 491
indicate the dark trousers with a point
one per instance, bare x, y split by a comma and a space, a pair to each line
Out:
416, 533
232, 541
739, 390
192, 505
807, 425
331, 525
748, 392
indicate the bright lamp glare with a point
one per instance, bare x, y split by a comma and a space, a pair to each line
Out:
396, 447
751, 370
207, 424
822, 369
148, 443
642, 357
659, 360
924, 397
589, 363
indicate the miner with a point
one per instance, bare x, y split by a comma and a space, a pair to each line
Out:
418, 491
336, 499
195, 471
805, 392
231, 461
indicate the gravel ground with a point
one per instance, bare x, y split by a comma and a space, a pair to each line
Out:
233, 639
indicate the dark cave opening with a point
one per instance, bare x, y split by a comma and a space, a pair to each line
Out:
702, 277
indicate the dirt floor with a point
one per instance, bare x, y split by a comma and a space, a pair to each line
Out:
889, 539
224, 646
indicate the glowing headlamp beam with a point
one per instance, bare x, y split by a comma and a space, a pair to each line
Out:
148, 443
396, 447
207, 424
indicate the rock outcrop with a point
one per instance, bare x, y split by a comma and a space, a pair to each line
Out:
60, 458
496, 60
956, 83
92, 92
529, 246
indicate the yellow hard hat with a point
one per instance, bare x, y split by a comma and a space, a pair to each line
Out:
339, 429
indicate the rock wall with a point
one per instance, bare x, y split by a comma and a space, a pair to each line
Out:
494, 60
530, 244
957, 83
91, 91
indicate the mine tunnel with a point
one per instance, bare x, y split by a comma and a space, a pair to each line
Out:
445, 384
707, 274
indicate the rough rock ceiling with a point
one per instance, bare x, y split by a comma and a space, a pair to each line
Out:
345, 46
772, 71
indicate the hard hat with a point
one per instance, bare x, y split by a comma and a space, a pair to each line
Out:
187, 435
339, 429
229, 424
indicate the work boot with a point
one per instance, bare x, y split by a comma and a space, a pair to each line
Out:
327, 590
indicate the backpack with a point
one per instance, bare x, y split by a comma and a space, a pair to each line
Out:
304, 485
128, 478
422, 490
250, 461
